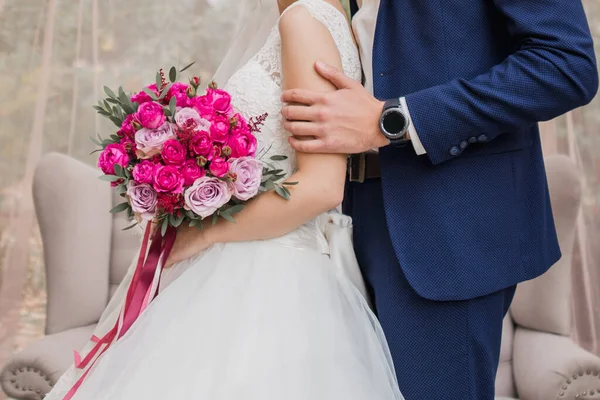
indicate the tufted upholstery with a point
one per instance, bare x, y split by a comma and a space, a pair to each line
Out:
538, 360
87, 254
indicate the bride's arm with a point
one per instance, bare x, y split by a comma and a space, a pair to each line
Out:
320, 177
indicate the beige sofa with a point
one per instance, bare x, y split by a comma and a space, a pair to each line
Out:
87, 254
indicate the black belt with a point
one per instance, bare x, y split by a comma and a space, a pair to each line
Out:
364, 166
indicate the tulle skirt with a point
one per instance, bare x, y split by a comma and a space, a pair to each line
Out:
254, 321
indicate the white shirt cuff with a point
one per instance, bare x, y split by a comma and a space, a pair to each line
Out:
414, 138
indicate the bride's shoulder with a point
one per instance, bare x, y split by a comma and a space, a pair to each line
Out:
319, 9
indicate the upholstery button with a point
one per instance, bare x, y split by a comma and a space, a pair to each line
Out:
472, 139
463, 144
454, 151
482, 138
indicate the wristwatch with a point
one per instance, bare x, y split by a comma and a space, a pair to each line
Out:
394, 122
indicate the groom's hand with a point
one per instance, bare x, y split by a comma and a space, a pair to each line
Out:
343, 121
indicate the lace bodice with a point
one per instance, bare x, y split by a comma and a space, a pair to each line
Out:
256, 87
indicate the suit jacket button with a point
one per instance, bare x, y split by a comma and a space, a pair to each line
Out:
463, 144
454, 151
472, 139
482, 138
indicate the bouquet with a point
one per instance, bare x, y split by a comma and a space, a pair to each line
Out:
181, 157
177, 157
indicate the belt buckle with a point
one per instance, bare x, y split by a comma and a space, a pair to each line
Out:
357, 167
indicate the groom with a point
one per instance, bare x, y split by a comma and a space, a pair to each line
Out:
453, 210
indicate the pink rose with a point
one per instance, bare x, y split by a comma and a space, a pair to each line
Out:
179, 91
150, 115
219, 167
204, 109
220, 101
189, 119
248, 173
191, 171
114, 153
143, 199
142, 97
173, 152
127, 128
144, 172
242, 143
168, 179
149, 142
201, 144
207, 195
219, 129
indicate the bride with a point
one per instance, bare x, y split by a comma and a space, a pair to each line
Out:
271, 307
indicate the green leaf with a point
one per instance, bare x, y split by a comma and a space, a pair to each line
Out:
235, 209
273, 172
118, 208
109, 92
127, 108
214, 218
93, 139
278, 158
121, 189
173, 74
165, 91
96, 151
130, 226
176, 221
200, 226
269, 185
116, 121
150, 93
187, 66
282, 191
167, 112
122, 96
228, 217
290, 183
158, 81
113, 101
164, 226
107, 106
193, 222
118, 170
173, 105
110, 178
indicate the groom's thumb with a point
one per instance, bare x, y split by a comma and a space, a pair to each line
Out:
334, 75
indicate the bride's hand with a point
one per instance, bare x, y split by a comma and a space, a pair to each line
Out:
189, 242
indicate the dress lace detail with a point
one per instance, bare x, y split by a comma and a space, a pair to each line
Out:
257, 86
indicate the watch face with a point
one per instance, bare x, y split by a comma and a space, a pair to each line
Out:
393, 123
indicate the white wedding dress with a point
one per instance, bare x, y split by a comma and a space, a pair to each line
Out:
281, 319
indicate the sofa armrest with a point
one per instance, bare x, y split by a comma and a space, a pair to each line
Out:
72, 207
30, 374
548, 366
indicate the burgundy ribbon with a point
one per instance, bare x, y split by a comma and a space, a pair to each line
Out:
138, 295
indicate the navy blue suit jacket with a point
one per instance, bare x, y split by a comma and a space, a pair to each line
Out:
473, 215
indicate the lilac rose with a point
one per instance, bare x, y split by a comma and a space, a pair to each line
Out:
143, 199
207, 195
188, 119
248, 175
149, 142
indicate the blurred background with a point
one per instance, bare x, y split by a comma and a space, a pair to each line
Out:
55, 57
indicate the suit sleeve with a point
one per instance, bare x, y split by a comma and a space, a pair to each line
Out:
552, 71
